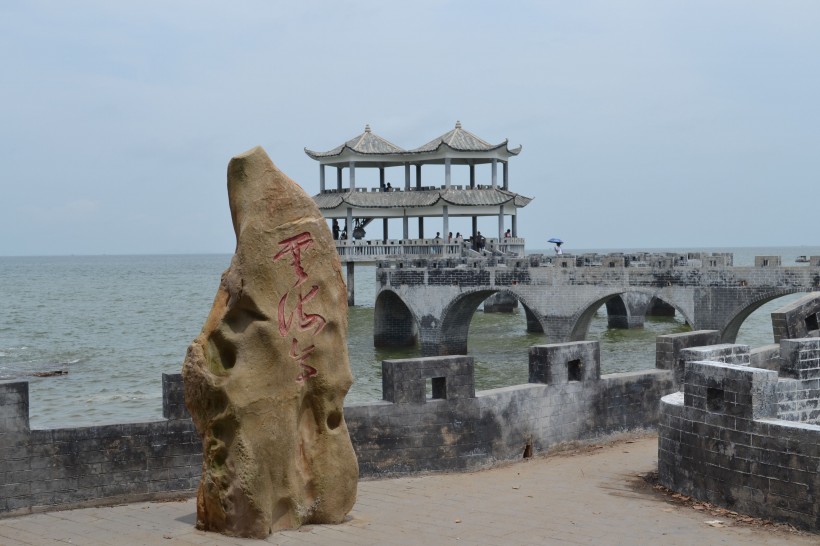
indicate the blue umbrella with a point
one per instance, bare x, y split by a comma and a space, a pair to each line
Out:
555, 240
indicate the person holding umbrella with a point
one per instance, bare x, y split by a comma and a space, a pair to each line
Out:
558, 243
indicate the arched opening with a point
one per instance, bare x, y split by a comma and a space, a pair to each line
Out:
616, 312
659, 308
626, 349
498, 342
393, 322
753, 325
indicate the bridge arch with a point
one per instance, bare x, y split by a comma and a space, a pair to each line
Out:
394, 322
456, 318
615, 300
618, 314
728, 333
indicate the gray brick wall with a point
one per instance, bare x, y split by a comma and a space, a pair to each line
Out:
799, 387
668, 349
43, 469
736, 437
798, 319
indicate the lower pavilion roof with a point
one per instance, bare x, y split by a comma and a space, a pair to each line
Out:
420, 198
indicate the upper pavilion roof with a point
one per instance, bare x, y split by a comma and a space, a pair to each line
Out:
459, 145
366, 143
464, 141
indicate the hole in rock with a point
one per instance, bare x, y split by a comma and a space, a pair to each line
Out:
334, 419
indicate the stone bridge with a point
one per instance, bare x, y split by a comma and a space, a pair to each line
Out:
432, 302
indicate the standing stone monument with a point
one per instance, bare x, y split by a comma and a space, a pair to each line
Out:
265, 380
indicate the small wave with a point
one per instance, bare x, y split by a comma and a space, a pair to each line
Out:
67, 362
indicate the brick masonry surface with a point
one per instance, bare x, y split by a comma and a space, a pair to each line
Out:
44, 469
430, 420
744, 437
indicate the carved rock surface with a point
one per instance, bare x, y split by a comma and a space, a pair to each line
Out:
265, 380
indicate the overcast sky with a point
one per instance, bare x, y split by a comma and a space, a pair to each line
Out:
643, 123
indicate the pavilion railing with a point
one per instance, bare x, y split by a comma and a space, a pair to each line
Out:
377, 250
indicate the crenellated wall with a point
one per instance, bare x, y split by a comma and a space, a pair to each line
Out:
431, 419
747, 438
45, 469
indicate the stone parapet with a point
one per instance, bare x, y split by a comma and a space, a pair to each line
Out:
406, 381
452, 428
798, 319
46, 469
564, 362
668, 349
742, 438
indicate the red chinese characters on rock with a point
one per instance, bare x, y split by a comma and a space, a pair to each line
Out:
293, 248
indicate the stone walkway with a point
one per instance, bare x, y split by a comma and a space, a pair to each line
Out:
589, 497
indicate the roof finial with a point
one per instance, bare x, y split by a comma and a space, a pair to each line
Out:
367, 128
458, 125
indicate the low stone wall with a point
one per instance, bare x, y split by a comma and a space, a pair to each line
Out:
446, 427
668, 349
431, 420
744, 438
45, 469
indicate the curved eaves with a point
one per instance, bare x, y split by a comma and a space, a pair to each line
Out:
476, 197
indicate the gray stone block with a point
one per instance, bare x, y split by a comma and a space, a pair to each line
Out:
561, 363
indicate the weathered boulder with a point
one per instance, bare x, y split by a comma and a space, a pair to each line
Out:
265, 380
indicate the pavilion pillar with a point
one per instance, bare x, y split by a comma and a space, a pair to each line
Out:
445, 228
495, 173
515, 225
506, 175
352, 176
349, 224
405, 228
418, 176
339, 178
381, 177
447, 173
472, 187
384, 229
321, 178
351, 292
421, 227
500, 223
407, 177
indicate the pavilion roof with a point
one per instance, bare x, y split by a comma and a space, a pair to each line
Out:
421, 198
365, 143
371, 144
464, 141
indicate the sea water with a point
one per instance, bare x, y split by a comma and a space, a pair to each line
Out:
115, 324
